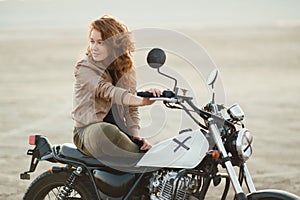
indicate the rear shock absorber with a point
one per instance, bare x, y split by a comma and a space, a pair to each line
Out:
68, 188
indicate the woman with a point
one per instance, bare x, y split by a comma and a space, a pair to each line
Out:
104, 96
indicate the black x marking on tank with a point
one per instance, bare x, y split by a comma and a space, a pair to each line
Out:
181, 144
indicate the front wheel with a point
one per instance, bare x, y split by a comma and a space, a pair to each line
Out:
272, 195
48, 185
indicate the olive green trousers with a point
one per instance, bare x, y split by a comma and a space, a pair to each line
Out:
108, 144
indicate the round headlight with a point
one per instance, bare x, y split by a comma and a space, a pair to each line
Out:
243, 144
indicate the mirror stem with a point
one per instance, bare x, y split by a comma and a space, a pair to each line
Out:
175, 86
213, 94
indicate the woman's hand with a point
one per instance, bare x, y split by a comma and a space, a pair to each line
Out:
144, 143
155, 92
134, 100
145, 146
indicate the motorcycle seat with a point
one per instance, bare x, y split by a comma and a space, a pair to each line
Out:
70, 151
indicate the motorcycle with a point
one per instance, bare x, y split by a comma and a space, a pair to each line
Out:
190, 165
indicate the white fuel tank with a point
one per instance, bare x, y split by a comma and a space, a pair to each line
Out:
183, 151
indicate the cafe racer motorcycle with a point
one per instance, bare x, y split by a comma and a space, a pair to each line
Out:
190, 164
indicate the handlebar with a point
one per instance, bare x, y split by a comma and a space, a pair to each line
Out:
166, 96
169, 96
165, 93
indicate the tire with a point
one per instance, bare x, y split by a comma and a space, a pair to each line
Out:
269, 198
48, 185
274, 198
272, 195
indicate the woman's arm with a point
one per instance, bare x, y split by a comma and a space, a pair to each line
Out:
135, 129
133, 100
135, 132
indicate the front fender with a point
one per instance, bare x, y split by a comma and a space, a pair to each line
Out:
272, 194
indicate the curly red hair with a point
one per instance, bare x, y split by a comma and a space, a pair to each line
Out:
121, 47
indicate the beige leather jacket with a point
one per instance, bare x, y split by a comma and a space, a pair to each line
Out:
94, 94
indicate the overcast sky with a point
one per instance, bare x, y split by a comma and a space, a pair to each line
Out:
48, 14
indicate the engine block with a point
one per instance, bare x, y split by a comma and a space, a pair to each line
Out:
162, 186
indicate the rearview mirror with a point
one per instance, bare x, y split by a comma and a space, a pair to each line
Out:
212, 77
156, 58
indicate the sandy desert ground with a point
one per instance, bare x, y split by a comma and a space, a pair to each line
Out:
259, 68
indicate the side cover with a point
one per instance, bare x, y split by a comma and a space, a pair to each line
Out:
183, 151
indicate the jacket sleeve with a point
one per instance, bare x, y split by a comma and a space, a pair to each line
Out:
100, 82
132, 116
105, 89
131, 113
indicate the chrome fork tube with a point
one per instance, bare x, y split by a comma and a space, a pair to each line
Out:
214, 131
248, 179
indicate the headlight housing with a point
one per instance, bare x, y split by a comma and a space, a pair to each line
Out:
243, 144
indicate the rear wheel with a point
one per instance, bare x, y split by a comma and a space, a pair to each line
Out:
47, 187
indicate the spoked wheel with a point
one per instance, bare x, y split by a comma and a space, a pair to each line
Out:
54, 194
47, 186
272, 195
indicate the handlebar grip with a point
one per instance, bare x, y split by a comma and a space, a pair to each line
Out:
168, 94
165, 93
145, 94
